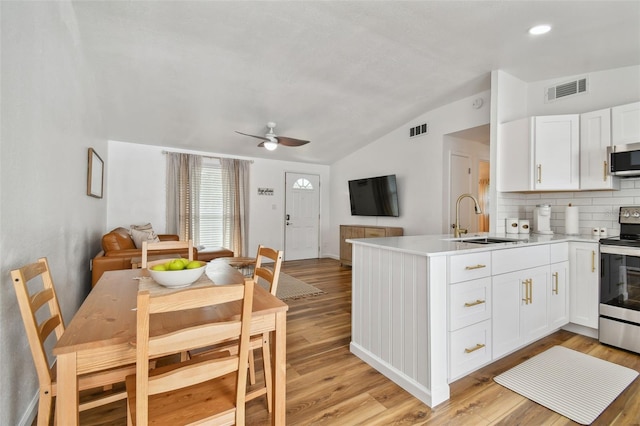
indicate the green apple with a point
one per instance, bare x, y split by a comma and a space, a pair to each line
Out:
176, 265
184, 261
159, 267
194, 264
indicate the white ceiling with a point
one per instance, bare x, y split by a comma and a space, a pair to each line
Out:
341, 74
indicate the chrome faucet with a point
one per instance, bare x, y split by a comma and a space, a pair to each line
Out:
456, 228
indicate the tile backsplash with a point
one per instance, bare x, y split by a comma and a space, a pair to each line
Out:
596, 208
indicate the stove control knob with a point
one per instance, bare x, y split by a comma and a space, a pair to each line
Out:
636, 214
625, 214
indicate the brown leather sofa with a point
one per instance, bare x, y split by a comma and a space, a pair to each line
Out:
118, 249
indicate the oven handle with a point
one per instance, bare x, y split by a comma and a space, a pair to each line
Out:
626, 251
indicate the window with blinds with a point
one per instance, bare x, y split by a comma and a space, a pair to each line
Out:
211, 206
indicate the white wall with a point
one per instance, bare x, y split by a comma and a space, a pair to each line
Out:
49, 120
137, 192
417, 164
516, 99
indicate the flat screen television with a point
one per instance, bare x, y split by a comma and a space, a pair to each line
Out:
375, 196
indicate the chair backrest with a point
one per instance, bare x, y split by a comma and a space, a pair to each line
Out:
30, 305
272, 273
170, 246
165, 341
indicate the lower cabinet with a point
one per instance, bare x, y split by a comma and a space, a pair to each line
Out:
584, 275
559, 295
519, 308
469, 348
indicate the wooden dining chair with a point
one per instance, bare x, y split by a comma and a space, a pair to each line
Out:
30, 308
209, 389
170, 246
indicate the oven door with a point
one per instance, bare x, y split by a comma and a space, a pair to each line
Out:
619, 323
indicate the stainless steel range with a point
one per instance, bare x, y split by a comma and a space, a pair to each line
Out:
620, 283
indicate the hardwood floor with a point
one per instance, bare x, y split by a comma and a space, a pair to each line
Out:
326, 384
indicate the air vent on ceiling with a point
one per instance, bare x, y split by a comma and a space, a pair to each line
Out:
419, 130
570, 88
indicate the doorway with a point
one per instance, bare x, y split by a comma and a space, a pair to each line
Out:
466, 170
302, 216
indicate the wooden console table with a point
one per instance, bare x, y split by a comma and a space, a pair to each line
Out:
362, 231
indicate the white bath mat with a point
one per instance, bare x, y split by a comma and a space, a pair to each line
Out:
573, 384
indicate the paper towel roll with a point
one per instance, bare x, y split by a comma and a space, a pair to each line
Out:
571, 223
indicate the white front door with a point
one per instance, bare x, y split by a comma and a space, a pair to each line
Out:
302, 216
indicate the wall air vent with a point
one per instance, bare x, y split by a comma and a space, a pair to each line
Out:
419, 130
570, 88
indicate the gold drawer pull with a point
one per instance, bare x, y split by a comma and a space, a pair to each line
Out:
555, 289
470, 304
478, 346
478, 266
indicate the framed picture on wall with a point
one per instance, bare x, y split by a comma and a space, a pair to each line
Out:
95, 174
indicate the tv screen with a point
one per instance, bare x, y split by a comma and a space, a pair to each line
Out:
376, 196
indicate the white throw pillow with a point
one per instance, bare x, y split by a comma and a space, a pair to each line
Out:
140, 233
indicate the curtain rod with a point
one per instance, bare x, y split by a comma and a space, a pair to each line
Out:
205, 156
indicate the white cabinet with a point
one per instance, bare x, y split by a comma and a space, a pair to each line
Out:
558, 292
625, 124
539, 153
519, 308
595, 137
584, 280
558, 295
469, 311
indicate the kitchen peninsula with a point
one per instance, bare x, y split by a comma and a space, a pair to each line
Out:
428, 310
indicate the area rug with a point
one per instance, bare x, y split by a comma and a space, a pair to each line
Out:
573, 384
292, 288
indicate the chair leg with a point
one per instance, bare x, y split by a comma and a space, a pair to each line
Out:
268, 375
44, 408
252, 368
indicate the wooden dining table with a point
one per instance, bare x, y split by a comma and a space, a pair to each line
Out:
102, 333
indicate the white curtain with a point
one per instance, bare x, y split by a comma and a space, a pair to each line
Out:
235, 182
183, 195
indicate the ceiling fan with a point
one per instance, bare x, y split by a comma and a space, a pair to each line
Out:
271, 141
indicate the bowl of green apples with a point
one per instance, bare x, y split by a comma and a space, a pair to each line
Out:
175, 273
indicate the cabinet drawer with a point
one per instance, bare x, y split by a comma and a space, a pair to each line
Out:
510, 260
374, 232
465, 267
469, 348
469, 303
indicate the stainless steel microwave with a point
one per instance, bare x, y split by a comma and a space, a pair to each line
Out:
624, 160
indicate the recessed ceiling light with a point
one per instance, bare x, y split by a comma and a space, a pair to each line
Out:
540, 29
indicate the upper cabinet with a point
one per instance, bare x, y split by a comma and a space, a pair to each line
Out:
625, 127
595, 137
539, 154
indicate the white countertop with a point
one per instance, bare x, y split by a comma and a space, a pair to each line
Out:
441, 245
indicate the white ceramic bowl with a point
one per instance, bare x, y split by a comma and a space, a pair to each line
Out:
175, 279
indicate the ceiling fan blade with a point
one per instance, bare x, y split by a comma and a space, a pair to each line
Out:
254, 136
283, 140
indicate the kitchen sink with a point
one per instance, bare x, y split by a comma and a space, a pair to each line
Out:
490, 240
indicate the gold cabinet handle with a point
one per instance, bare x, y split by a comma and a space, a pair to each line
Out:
475, 348
593, 261
528, 291
555, 289
477, 302
539, 173
604, 176
478, 266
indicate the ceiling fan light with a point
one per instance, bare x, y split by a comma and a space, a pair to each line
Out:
540, 29
271, 145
